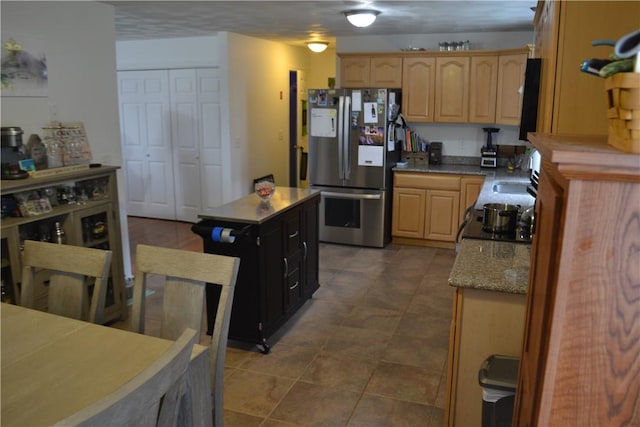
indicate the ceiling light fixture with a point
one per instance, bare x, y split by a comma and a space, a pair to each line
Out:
317, 46
361, 17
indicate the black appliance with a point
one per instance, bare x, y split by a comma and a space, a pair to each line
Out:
529, 116
489, 153
435, 153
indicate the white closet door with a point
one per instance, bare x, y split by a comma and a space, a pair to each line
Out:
196, 132
146, 138
186, 143
211, 137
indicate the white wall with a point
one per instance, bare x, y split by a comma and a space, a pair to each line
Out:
188, 52
458, 140
259, 107
79, 41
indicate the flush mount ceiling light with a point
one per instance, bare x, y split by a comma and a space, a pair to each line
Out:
317, 46
361, 17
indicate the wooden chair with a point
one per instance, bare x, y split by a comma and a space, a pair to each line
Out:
152, 398
70, 267
186, 274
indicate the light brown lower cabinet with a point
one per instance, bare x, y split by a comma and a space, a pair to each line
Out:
428, 207
484, 323
580, 361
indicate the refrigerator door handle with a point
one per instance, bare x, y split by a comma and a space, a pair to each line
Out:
350, 195
347, 137
341, 137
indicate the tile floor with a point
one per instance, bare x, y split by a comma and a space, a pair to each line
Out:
369, 349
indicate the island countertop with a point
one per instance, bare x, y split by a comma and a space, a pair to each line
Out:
252, 209
492, 265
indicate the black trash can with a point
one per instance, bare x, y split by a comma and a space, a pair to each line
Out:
498, 377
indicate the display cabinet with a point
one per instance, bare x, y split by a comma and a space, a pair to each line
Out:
84, 205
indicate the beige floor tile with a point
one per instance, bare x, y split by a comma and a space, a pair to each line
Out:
238, 419
356, 343
418, 352
406, 383
386, 298
434, 329
254, 393
331, 371
378, 319
316, 405
288, 361
384, 412
305, 332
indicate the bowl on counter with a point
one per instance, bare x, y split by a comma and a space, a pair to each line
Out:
265, 190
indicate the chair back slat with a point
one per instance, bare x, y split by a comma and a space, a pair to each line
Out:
69, 268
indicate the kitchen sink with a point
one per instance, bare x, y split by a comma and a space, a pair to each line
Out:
506, 187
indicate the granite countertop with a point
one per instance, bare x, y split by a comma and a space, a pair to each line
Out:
253, 210
492, 265
492, 175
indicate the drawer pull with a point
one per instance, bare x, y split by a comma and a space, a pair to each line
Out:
286, 267
294, 286
305, 251
291, 236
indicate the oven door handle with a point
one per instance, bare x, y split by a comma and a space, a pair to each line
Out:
351, 196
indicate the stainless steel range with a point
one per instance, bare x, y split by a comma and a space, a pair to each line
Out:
474, 229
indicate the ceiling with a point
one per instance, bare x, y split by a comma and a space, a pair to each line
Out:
296, 22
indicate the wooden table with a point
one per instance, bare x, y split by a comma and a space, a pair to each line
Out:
52, 366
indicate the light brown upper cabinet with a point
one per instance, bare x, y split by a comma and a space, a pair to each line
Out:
483, 83
418, 94
452, 89
357, 71
511, 71
572, 102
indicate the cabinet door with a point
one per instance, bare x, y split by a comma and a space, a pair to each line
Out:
408, 212
418, 89
145, 117
292, 258
469, 190
483, 84
541, 287
272, 273
386, 72
354, 71
452, 90
511, 70
441, 215
310, 253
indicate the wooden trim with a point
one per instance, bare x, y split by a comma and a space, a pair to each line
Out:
422, 53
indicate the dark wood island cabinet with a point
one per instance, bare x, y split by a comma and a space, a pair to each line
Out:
277, 243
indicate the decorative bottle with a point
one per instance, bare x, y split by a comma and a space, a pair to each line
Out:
59, 233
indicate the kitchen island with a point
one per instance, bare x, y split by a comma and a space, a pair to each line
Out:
490, 280
277, 243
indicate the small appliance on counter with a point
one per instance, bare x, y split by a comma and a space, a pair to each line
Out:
489, 153
12, 153
435, 153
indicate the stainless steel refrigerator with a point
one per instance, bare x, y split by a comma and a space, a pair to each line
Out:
353, 145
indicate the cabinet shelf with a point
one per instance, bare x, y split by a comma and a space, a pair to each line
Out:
55, 211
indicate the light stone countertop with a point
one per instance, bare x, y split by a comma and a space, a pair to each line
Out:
252, 209
492, 265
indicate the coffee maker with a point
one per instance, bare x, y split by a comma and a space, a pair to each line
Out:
12, 153
489, 153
